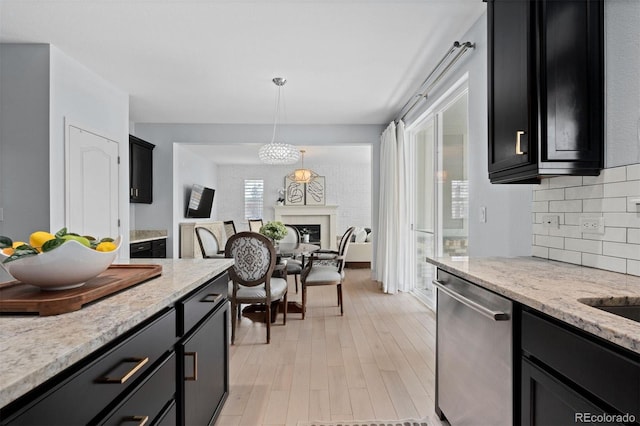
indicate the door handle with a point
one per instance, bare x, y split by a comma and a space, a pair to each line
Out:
194, 357
519, 134
494, 315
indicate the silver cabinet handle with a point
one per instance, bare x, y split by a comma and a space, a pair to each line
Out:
483, 310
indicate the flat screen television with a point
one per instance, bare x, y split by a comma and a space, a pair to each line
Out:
200, 202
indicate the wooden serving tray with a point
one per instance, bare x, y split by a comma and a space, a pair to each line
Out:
17, 297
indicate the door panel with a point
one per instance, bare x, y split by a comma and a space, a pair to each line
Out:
92, 184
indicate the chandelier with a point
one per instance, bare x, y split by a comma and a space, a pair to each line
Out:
278, 152
302, 175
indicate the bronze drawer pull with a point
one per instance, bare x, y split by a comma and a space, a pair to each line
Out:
140, 362
211, 297
142, 420
194, 356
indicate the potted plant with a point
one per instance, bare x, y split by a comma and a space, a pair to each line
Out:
274, 229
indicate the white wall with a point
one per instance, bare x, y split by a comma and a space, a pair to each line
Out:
507, 231
159, 215
347, 185
81, 97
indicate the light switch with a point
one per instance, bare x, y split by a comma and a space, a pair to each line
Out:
483, 214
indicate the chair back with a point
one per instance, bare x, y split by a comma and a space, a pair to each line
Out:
293, 235
345, 241
254, 259
255, 225
229, 228
209, 245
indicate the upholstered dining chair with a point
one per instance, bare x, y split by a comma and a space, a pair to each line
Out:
255, 225
294, 266
229, 228
251, 276
209, 245
326, 272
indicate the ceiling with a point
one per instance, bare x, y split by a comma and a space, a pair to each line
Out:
212, 61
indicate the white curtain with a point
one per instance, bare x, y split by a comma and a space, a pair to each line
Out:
392, 254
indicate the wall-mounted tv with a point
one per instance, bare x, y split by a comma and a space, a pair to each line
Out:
200, 202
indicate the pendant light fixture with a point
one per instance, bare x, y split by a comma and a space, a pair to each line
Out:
278, 152
303, 175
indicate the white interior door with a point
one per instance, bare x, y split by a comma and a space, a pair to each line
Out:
91, 184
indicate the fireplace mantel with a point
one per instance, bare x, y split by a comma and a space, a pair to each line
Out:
323, 215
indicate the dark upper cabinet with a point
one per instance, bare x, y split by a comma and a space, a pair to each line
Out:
545, 89
140, 170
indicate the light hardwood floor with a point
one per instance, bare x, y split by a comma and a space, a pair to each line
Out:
376, 362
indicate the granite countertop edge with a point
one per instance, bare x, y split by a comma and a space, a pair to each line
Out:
553, 288
62, 340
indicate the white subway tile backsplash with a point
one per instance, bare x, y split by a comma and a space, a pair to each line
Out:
627, 251
567, 206
543, 206
584, 246
610, 234
565, 256
626, 220
538, 251
565, 181
549, 241
572, 197
548, 194
633, 267
582, 192
622, 189
615, 264
605, 205
633, 172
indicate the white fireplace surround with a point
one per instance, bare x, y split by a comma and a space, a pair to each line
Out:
302, 215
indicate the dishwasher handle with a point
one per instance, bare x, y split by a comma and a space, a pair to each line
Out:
483, 310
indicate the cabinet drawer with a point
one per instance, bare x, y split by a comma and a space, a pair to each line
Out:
599, 368
147, 400
102, 378
142, 249
193, 308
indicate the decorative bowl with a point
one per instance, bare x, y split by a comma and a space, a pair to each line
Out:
65, 267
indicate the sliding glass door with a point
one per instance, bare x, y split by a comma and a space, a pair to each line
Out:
439, 146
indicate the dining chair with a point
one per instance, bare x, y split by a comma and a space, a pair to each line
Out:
229, 228
255, 225
294, 266
251, 276
326, 272
209, 245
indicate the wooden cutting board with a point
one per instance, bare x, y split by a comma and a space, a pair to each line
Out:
17, 297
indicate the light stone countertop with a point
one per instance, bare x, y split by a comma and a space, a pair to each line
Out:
34, 349
554, 288
141, 235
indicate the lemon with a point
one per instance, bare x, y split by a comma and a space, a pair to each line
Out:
106, 246
38, 238
9, 250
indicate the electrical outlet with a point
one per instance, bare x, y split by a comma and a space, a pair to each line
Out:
551, 221
592, 225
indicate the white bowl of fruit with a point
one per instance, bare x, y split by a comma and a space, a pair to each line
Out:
57, 261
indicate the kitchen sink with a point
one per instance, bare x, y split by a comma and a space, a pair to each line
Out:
627, 307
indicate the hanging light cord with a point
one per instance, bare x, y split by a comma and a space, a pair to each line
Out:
275, 119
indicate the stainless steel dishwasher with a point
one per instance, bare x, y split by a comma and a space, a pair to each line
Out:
474, 354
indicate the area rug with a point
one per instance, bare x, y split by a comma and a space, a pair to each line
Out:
368, 423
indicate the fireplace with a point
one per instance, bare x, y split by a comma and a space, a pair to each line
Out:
315, 234
325, 216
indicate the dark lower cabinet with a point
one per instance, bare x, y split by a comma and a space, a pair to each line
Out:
172, 369
571, 377
204, 368
203, 353
149, 249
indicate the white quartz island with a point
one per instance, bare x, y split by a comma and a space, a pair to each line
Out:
555, 289
34, 349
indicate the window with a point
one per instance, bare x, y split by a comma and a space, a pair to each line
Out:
253, 198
